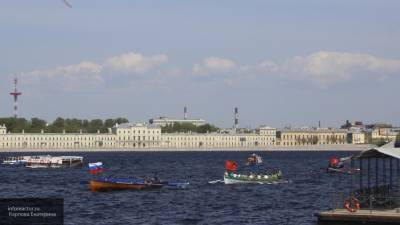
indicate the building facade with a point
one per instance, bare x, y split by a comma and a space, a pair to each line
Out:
56, 141
387, 134
357, 137
264, 137
149, 136
137, 135
307, 137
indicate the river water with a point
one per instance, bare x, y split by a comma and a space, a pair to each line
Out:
305, 190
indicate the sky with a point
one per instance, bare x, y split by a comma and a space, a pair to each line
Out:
282, 63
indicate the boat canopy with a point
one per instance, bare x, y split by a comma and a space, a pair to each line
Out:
388, 150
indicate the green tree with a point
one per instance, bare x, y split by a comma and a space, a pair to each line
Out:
94, 125
15, 125
73, 125
9, 122
57, 126
188, 127
108, 123
206, 128
36, 125
121, 120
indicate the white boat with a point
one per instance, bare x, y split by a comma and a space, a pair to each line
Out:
16, 160
48, 161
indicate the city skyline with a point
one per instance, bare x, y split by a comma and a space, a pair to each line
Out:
280, 63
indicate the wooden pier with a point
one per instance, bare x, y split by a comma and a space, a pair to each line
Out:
364, 217
377, 196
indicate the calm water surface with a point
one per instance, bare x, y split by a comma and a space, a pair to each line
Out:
304, 191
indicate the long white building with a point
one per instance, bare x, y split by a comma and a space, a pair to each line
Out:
55, 140
137, 135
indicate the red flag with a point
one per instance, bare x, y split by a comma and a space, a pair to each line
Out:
231, 165
96, 171
334, 161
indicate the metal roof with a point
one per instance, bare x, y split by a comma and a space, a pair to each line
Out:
129, 125
388, 150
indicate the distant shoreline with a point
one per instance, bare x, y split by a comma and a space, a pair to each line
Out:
320, 148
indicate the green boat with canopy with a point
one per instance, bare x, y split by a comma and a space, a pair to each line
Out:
254, 172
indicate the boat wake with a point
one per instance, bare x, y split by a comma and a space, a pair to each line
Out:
282, 181
216, 181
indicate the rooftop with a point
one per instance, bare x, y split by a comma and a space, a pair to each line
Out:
314, 130
130, 125
173, 119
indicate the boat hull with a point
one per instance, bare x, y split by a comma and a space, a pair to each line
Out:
342, 170
103, 186
232, 178
51, 165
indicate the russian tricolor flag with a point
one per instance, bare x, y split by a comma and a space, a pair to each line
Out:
95, 168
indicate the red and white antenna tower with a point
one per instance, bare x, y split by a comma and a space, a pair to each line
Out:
15, 94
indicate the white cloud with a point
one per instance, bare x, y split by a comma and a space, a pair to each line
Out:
93, 74
135, 62
324, 68
84, 71
214, 65
321, 68
330, 67
268, 66
170, 72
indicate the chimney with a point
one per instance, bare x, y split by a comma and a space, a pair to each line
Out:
42, 131
185, 115
236, 118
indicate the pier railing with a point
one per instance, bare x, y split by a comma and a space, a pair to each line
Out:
371, 203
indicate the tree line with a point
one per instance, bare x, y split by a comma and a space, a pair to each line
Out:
188, 127
36, 125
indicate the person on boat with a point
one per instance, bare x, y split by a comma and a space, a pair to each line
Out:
147, 180
335, 163
155, 178
254, 160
